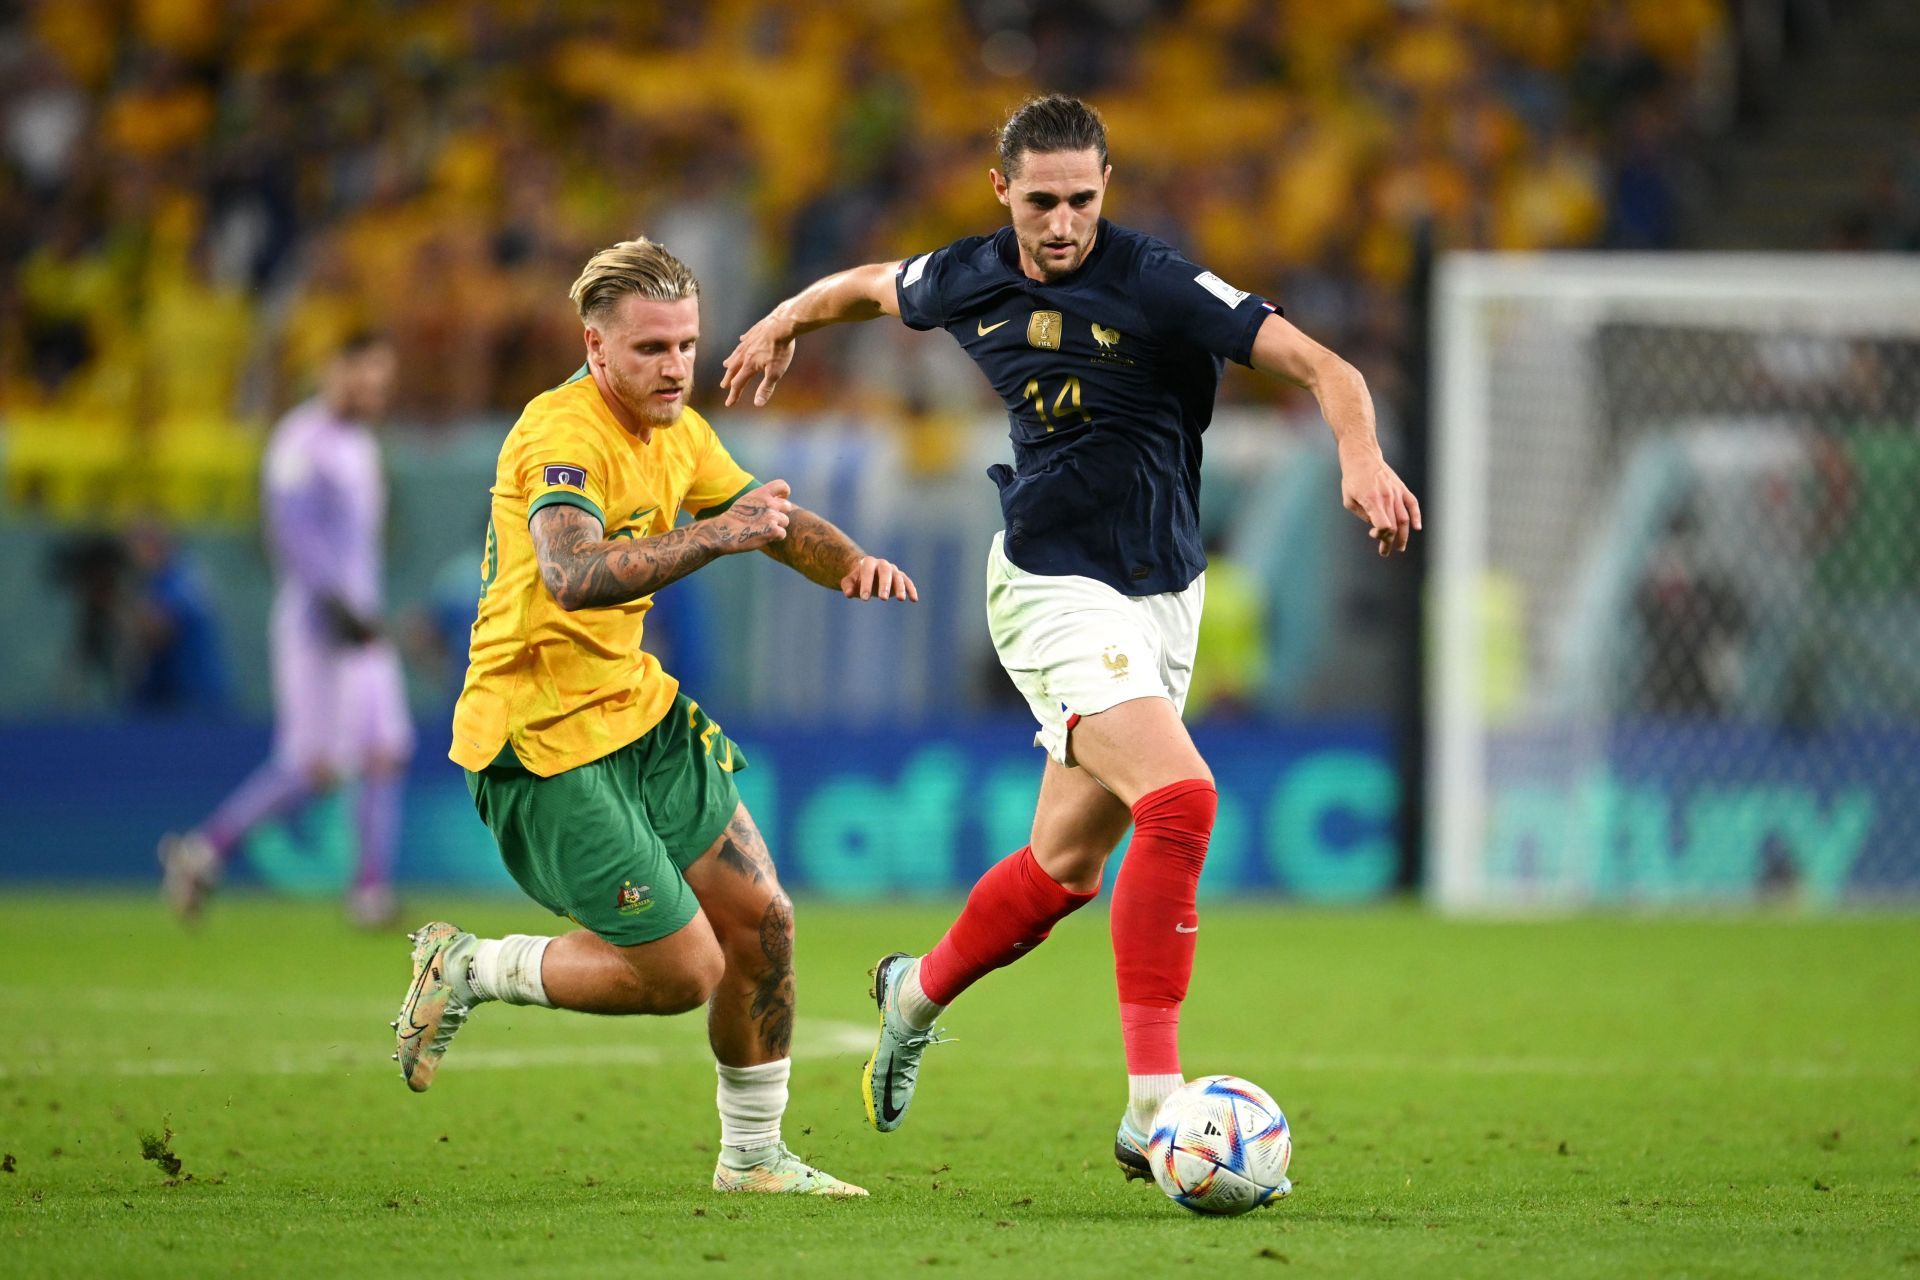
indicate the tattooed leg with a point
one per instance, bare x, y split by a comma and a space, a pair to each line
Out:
742, 851
772, 1007
750, 1018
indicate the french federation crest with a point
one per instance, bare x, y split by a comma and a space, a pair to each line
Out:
1107, 338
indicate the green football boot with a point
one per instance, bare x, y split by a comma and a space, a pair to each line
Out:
782, 1173
433, 1011
890, 1075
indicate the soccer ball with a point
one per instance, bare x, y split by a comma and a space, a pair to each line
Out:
1220, 1145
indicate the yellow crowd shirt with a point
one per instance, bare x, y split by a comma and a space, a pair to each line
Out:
562, 689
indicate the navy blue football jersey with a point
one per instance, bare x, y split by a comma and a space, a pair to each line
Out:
1108, 376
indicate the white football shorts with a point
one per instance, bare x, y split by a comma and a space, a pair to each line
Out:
1075, 646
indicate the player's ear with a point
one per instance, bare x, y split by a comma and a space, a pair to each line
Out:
593, 345
1000, 187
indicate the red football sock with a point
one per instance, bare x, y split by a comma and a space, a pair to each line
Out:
1154, 921
1012, 909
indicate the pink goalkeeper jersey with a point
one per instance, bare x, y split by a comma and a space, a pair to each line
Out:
325, 502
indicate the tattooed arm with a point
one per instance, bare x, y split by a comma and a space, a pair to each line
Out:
586, 570
817, 550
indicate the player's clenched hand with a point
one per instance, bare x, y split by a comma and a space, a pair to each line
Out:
766, 350
757, 517
1370, 489
874, 578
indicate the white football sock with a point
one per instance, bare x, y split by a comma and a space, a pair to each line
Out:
751, 1102
1144, 1096
508, 969
914, 1006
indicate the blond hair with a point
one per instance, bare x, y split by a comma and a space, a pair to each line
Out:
632, 266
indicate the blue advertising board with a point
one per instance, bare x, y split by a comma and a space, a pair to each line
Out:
1663, 812
1306, 810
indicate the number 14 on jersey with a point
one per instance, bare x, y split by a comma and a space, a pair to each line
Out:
1068, 401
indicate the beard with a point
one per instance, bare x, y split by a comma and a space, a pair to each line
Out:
1052, 268
659, 415
638, 398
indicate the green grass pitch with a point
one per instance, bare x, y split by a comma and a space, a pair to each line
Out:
1591, 1097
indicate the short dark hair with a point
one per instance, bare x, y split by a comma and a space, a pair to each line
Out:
1052, 123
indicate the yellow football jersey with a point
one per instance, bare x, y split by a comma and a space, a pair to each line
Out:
565, 688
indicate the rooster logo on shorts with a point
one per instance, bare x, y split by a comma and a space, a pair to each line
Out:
1115, 663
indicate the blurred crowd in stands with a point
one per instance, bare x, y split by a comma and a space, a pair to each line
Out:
198, 198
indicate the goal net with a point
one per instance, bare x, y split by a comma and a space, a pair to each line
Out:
1676, 639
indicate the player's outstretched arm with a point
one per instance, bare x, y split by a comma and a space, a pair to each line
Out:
1368, 486
586, 570
858, 293
816, 548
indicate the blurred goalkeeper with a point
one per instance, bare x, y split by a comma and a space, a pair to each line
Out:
1106, 346
609, 791
340, 700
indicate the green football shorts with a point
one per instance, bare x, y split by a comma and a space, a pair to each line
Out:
605, 844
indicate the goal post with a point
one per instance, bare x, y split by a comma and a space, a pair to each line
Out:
1675, 640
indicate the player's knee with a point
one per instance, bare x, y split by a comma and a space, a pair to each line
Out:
762, 943
693, 983
1187, 801
1177, 820
703, 978
1176, 771
1075, 864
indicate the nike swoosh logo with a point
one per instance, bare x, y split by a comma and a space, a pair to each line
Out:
414, 1029
648, 511
888, 1111
983, 328
1181, 928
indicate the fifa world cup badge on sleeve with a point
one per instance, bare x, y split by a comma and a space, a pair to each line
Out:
564, 474
1220, 289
